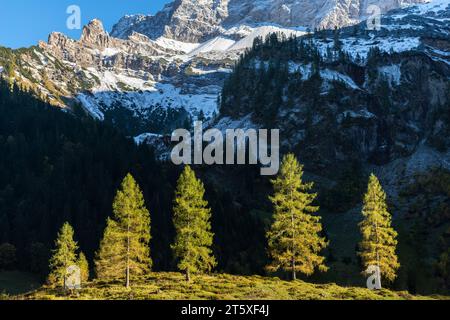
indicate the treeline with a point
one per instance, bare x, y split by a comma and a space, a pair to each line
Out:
295, 239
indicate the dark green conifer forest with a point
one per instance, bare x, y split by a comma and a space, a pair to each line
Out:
57, 166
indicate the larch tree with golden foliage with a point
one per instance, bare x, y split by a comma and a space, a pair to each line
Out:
379, 239
192, 223
109, 262
83, 264
294, 238
124, 250
64, 256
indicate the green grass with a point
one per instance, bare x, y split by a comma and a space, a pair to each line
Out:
172, 286
16, 282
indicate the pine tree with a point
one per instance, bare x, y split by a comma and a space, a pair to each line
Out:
201, 116
294, 237
192, 223
7, 256
64, 255
83, 264
109, 262
379, 243
337, 40
124, 250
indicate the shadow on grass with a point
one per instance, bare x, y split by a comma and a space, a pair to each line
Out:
16, 282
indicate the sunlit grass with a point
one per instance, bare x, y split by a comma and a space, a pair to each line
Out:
172, 286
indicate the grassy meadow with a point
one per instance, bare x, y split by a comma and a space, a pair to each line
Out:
172, 286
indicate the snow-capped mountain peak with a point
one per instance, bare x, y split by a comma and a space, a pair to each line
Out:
153, 73
197, 21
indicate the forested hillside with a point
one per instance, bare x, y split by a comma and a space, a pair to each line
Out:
346, 116
59, 166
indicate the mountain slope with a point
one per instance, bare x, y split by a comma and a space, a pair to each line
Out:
352, 102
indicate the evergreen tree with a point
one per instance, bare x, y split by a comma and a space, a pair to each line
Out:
109, 262
294, 237
337, 40
7, 256
83, 264
64, 255
39, 257
192, 223
124, 249
201, 116
379, 243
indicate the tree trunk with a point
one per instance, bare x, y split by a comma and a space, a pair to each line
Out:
127, 284
188, 276
128, 255
294, 273
378, 283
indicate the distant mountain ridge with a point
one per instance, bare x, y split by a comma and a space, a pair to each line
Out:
153, 74
200, 20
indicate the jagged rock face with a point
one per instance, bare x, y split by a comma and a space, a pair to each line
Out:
193, 20
185, 20
137, 83
94, 35
196, 21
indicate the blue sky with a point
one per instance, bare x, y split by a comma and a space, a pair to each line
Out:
24, 22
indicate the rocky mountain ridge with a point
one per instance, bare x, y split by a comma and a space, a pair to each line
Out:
200, 20
152, 83
138, 83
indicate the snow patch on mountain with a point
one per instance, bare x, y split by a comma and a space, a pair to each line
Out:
146, 138
142, 104
305, 70
332, 75
109, 52
171, 44
91, 106
360, 47
393, 73
263, 32
197, 71
431, 6
113, 81
217, 44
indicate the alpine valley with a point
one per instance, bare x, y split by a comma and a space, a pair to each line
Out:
349, 100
